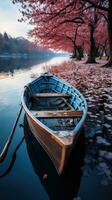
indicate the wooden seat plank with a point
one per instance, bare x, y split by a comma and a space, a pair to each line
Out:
58, 114
43, 95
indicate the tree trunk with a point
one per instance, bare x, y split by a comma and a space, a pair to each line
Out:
77, 53
110, 32
109, 57
74, 53
92, 53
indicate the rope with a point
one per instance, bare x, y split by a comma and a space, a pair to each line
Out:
13, 159
9, 140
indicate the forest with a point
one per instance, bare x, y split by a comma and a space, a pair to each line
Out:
83, 27
20, 45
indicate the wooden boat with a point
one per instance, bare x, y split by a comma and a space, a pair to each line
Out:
56, 112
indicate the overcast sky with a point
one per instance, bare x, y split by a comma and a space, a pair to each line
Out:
9, 15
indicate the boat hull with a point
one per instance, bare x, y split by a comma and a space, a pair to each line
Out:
57, 151
57, 137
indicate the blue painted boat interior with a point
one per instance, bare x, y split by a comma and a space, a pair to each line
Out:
48, 83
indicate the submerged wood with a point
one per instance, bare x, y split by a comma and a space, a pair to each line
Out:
55, 122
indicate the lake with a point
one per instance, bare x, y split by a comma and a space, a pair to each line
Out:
27, 172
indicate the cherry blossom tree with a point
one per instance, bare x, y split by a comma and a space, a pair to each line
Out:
53, 22
52, 18
105, 9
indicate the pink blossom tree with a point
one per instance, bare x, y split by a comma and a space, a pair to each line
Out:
52, 18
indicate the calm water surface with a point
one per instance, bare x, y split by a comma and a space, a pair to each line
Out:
27, 172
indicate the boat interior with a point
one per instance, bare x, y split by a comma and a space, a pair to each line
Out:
54, 103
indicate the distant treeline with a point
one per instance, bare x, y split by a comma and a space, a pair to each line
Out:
20, 45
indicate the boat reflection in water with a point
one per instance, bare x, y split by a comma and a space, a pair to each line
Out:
65, 186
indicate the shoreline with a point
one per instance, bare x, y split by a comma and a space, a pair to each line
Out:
95, 83
24, 55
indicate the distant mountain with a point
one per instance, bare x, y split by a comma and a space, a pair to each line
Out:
19, 46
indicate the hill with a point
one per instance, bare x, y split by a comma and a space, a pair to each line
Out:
19, 47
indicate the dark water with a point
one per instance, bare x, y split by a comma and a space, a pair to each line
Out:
27, 172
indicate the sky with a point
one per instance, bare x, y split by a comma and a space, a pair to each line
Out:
9, 15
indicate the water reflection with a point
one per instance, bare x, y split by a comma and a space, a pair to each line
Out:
9, 66
57, 187
12, 67
11, 164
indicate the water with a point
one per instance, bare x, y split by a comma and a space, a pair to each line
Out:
27, 172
